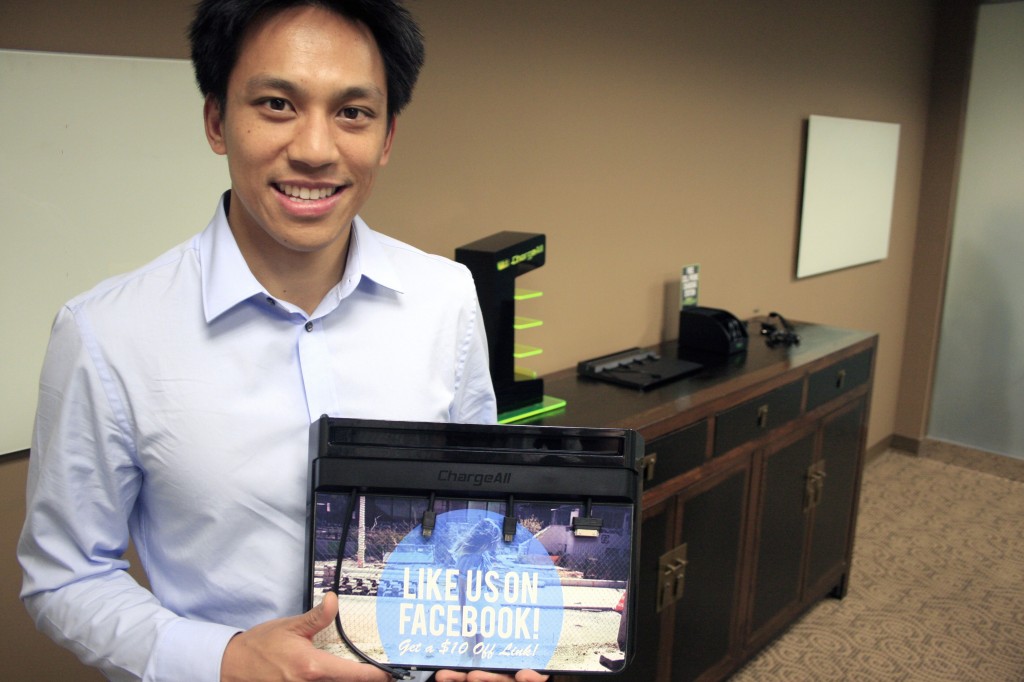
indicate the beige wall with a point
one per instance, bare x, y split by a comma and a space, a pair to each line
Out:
638, 137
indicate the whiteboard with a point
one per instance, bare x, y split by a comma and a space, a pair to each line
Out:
104, 165
849, 183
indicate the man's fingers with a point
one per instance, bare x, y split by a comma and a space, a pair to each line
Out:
484, 676
333, 668
318, 617
449, 676
530, 676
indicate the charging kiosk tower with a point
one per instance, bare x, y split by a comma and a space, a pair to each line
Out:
495, 262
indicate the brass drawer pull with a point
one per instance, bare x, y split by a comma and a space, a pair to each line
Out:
671, 576
647, 463
814, 488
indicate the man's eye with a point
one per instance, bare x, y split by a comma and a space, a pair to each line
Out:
277, 104
351, 113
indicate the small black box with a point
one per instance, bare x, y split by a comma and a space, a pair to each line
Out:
711, 331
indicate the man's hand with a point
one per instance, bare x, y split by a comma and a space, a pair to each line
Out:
481, 676
282, 650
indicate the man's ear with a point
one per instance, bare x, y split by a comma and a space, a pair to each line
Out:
388, 142
213, 120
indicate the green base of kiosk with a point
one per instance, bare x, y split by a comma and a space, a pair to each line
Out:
546, 405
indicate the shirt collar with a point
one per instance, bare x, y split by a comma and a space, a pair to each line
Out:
227, 280
368, 258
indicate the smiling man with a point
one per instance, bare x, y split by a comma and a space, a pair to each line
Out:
175, 401
305, 127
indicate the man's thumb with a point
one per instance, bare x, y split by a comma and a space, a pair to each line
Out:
320, 616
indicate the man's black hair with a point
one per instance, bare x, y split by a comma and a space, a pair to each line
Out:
219, 26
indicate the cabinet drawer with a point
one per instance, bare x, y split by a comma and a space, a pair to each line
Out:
674, 454
756, 417
834, 380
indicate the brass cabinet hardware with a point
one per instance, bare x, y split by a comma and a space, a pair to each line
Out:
671, 576
762, 417
815, 485
840, 378
647, 463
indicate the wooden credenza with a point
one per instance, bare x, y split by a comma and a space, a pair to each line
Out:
752, 475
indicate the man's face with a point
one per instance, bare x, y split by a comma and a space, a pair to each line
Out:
304, 129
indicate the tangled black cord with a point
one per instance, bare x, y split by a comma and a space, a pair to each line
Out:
336, 588
774, 336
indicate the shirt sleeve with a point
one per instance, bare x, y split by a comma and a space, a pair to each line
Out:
474, 393
83, 482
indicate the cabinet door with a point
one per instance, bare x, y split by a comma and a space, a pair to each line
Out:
833, 514
783, 522
657, 534
712, 530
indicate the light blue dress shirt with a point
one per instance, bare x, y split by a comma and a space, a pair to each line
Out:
175, 405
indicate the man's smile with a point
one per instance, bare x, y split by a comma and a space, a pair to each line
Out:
297, 193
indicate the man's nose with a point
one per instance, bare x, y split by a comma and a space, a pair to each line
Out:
314, 143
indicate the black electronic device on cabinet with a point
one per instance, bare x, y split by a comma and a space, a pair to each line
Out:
495, 262
711, 331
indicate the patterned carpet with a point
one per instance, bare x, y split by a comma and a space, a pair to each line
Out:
937, 588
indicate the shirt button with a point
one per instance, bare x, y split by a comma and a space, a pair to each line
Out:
271, 301
309, 326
